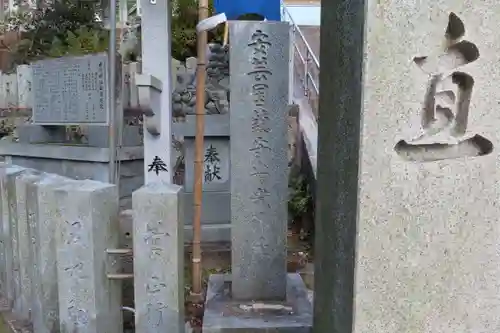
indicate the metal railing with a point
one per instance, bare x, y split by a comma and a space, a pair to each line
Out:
304, 64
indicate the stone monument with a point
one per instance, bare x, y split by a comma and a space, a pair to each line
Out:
407, 213
259, 295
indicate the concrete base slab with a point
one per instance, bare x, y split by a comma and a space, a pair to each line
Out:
225, 315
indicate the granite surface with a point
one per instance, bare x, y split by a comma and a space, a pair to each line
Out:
420, 238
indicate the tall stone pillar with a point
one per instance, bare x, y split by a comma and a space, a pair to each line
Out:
407, 233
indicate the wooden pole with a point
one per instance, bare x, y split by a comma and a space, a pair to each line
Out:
226, 33
199, 145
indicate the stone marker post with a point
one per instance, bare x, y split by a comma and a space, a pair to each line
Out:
25, 217
259, 164
407, 233
87, 225
159, 258
9, 234
45, 297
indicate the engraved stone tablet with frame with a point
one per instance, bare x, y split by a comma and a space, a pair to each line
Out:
71, 90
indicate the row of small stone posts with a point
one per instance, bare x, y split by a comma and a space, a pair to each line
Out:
57, 261
54, 235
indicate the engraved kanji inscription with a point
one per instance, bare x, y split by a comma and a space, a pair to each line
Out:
446, 104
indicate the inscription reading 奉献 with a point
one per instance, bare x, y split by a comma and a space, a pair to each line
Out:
212, 164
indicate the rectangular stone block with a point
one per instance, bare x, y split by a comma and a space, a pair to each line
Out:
98, 136
408, 168
222, 314
89, 302
259, 163
45, 313
30, 133
215, 125
10, 258
26, 218
158, 258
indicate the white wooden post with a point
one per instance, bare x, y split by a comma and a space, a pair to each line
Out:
156, 81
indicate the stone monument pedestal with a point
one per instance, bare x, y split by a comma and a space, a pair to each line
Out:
223, 314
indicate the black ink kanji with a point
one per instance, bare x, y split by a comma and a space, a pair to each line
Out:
157, 165
211, 155
212, 172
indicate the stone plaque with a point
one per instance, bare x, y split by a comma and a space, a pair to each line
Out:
71, 90
259, 162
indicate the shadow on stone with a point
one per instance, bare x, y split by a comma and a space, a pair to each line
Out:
472, 147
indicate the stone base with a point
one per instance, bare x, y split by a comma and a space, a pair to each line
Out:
225, 315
